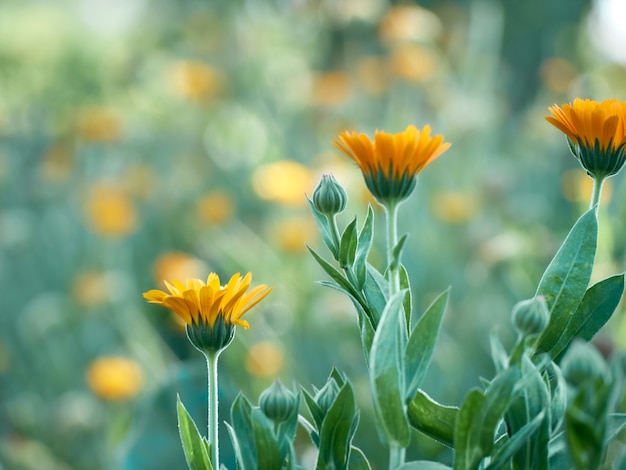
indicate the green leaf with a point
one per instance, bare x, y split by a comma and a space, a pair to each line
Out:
423, 465
324, 228
347, 246
338, 430
194, 447
504, 453
421, 345
236, 447
358, 461
433, 419
376, 292
616, 422
467, 455
565, 281
396, 253
387, 372
498, 354
364, 245
405, 284
595, 309
241, 420
266, 444
314, 409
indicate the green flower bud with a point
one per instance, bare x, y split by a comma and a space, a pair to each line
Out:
277, 402
583, 363
329, 197
210, 340
326, 396
530, 317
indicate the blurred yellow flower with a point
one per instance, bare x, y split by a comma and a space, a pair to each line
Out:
284, 181
58, 162
99, 124
114, 378
264, 359
409, 23
373, 74
291, 234
215, 207
390, 162
110, 211
578, 187
195, 80
557, 74
413, 62
330, 89
178, 265
90, 288
199, 303
454, 207
597, 132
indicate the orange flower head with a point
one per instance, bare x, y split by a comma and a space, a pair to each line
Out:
209, 309
391, 162
596, 133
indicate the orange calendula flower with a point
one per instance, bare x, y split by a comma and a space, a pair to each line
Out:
390, 162
209, 309
596, 133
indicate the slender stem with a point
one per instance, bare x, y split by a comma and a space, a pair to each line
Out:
334, 231
598, 182
211, 360
392, 240
396, 456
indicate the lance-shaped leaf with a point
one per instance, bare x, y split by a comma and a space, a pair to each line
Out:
348, 244
565, 281
595, 309
337, 430
194, 445
423, 465
387, 372
364, 245
421, 344
405, 283
358, 461
501, 457
433, 419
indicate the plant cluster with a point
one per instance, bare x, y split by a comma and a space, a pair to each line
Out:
553, 402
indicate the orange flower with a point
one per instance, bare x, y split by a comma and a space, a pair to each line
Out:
391, 162
597, 133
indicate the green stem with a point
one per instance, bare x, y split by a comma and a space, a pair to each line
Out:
396, 456
598, 182
211, 360
334, 231
391, 210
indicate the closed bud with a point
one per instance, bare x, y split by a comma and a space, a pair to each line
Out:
326, 396
329, 197
530, 317
583, 363
277, 402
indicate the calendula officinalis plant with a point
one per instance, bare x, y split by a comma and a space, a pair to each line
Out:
553, 401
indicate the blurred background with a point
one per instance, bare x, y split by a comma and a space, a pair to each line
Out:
147, 140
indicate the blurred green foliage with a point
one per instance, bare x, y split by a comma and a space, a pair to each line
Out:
141, 141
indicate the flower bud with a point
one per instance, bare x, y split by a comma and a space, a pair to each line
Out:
329, 197
582, 363
277, 402
530, 317
326, 396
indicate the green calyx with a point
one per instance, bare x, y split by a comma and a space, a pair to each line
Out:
210, 340
599, 162
389, 189
329, 197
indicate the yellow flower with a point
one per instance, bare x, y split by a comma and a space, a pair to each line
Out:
110, 211
596, 132
391, 162
114, 378
209, 309
197, 302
